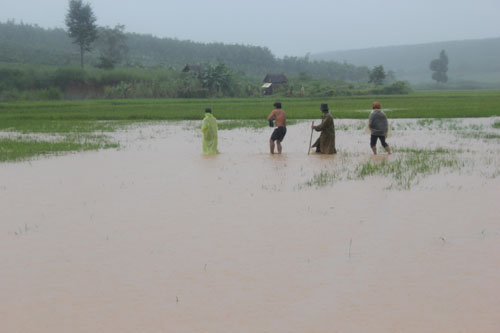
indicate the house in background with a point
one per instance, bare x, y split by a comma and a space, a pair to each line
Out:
192, 68
273, 81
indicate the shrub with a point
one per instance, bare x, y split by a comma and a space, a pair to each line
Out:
65, 77
49, 94
15, 79
9, 95
397, 88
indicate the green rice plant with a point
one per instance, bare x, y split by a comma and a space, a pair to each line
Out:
425, 122
478, 135
321, 179
416, 105
492, 166
60, 126
342, 127
339, 172
475, 127
449, 125
439, 150
405, 168
360, 125
490, 136
89, 116
18, 149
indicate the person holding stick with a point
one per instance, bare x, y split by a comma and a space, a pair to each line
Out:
279, 116
310, 139
325, 144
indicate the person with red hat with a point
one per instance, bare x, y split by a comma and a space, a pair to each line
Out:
378, 127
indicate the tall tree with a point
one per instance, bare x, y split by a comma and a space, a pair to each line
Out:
80, 21
377, 75
218, 79
440, 68
112, 46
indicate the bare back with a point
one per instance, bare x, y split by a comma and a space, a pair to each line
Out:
279, 116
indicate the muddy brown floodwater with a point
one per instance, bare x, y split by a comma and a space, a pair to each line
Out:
155, 237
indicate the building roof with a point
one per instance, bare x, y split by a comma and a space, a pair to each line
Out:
275, 78
192, 68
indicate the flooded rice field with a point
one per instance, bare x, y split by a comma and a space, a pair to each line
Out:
155, 237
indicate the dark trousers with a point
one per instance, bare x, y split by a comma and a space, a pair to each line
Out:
373, 140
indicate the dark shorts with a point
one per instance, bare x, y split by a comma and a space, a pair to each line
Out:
373, 140
279, 133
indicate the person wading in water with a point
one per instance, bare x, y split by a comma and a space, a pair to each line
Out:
378, 127
209, 130
278, 135
325, 144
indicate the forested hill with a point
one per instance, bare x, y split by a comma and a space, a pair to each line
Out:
469, 60
30, 44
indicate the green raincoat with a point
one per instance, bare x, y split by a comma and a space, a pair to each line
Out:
209, 130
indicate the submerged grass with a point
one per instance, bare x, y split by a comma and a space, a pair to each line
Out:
56, 137
60, 126
479, 135
20, 149
406, 168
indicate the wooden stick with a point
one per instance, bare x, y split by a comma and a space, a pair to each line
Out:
311, 139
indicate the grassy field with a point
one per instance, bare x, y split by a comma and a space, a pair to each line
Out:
64, 119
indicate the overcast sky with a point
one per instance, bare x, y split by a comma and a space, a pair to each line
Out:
286, 27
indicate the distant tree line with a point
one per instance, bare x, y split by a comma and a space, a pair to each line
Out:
128, 65
30, 44
25, 82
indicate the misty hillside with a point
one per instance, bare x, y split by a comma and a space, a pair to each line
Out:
24, 43
469, 60
28, 44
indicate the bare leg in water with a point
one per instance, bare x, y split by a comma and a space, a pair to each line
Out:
387, 149
271, 146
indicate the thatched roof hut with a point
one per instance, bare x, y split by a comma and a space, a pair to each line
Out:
192, 68
275, 78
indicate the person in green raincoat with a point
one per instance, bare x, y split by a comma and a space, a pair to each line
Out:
209, 130
326, 141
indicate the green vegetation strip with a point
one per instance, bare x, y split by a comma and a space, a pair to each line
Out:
90, 116
406, 168
252, 124
18, 149
417, 105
